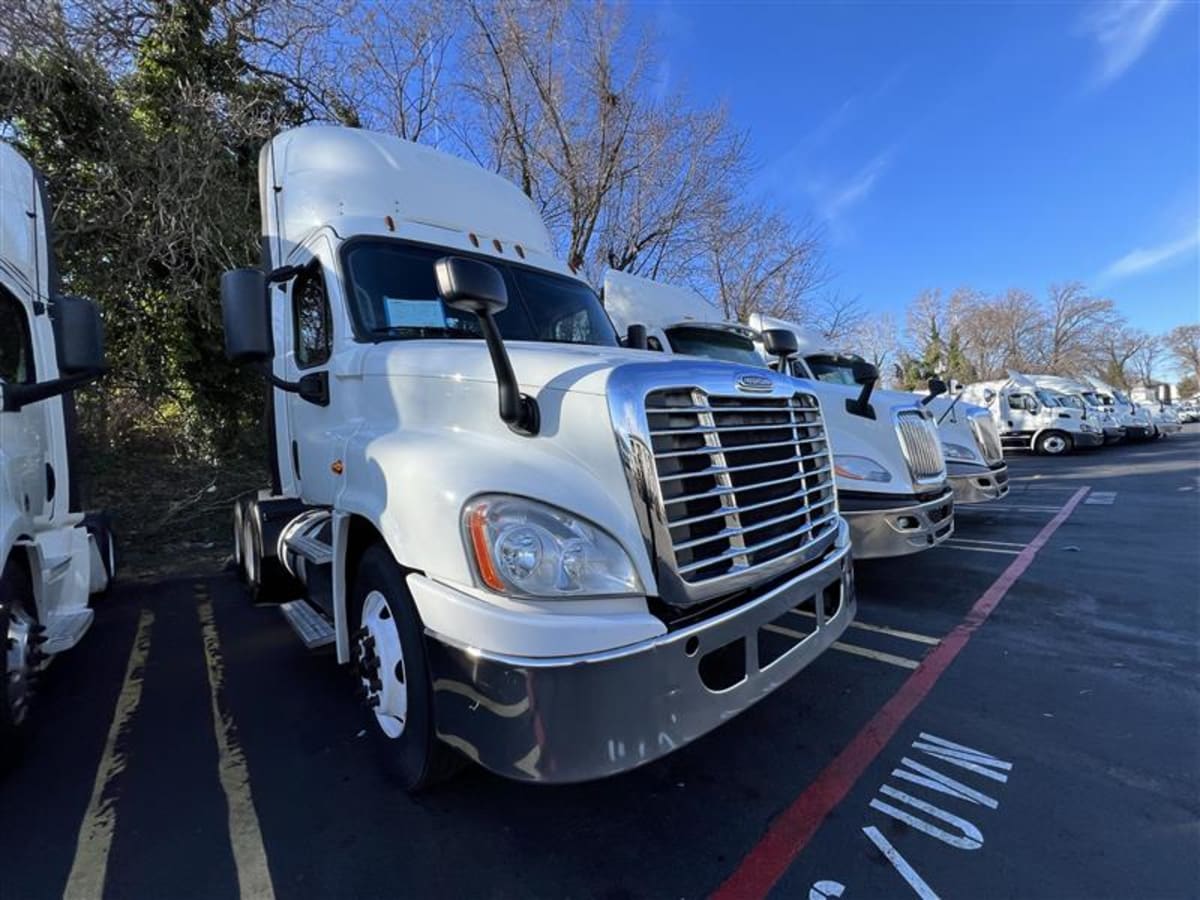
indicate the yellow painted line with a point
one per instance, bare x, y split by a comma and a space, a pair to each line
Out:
245, 837
901, 661
90, 866
883, 629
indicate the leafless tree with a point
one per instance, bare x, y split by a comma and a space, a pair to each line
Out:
1076, 323
838, 317
1145, 360
1183, 345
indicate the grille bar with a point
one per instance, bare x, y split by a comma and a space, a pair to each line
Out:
727, 510
983, 426
743, 551
725, 470
715, 429
824, 470
766, 523
921, 445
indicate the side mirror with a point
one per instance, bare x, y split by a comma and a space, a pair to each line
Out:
988, 396
937, 387
864, 372
79, 336
780, 342
636, 338
474, 286
246, 315
866, 375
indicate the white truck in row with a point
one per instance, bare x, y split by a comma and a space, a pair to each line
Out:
1034, 418
52, 555
891, 477
547, 553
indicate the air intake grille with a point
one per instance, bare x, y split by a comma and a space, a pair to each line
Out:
984, 429
922, 448
743, 480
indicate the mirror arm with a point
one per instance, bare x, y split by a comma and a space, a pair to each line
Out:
861, 405
519, 411
17, 396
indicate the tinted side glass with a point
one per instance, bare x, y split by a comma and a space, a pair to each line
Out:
16, 349
310, 308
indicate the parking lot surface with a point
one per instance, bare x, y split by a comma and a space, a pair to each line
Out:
1014, 714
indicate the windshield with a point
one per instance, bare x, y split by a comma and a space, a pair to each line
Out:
1093, 399
833, 369
1049, 398
714, 344
1121, 398
393, 295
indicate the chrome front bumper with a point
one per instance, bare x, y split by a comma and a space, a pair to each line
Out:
558, 720
1087, 439
977, 484
1113, 433
898, 530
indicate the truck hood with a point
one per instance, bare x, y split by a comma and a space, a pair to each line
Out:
538, 366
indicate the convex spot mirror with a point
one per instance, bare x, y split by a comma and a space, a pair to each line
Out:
988, 396
246, 316
780, 342
78, 336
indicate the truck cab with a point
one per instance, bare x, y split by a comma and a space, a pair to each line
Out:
1136, 421
1032, 418
891, 477
537, 550
1081, 397
52, 555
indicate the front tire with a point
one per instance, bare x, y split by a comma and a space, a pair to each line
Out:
23, 656
1054, 443
392, 671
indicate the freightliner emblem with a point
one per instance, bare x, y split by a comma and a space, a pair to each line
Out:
754, 384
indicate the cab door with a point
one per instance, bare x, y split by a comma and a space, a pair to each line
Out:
315, 427
24, 473
1023, 409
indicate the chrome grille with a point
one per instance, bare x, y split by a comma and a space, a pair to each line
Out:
743, 481
922, 449
984, 429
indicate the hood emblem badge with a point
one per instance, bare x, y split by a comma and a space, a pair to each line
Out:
754, 384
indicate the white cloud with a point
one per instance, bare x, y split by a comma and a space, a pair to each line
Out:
1123, 31
843, 197
1145, 259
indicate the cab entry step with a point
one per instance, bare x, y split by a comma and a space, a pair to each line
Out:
310, 626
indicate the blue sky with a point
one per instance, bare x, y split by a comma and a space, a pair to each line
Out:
995, 145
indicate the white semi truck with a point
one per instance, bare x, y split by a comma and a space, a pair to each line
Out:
558, 557
971, 444
1033, 418
1083, 398
1136, 421
52, 556
891, 477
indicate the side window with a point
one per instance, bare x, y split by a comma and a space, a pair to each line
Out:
16, 349
310, 310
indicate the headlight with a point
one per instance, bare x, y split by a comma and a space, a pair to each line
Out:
860, 468
958, 451
529, 549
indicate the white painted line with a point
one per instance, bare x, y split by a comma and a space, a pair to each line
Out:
950, 545
882, 629
965, 540
1101, 498
245, 837
993, 508
90, 866
900, 864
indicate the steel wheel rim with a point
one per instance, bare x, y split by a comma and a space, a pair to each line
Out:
19, 661
381, 666
1055, 444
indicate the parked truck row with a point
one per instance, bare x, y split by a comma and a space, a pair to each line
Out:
551, 531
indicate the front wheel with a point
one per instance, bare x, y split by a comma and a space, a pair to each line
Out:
23, 656
1054, 443
392, 669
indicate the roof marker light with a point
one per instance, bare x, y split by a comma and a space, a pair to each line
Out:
473, 239
520, 250
496, 243
390, 223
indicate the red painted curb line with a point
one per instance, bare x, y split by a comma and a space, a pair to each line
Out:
791, 831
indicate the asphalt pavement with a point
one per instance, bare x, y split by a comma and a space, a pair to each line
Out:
1014, 714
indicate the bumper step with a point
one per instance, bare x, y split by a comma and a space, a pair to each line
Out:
310, 626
